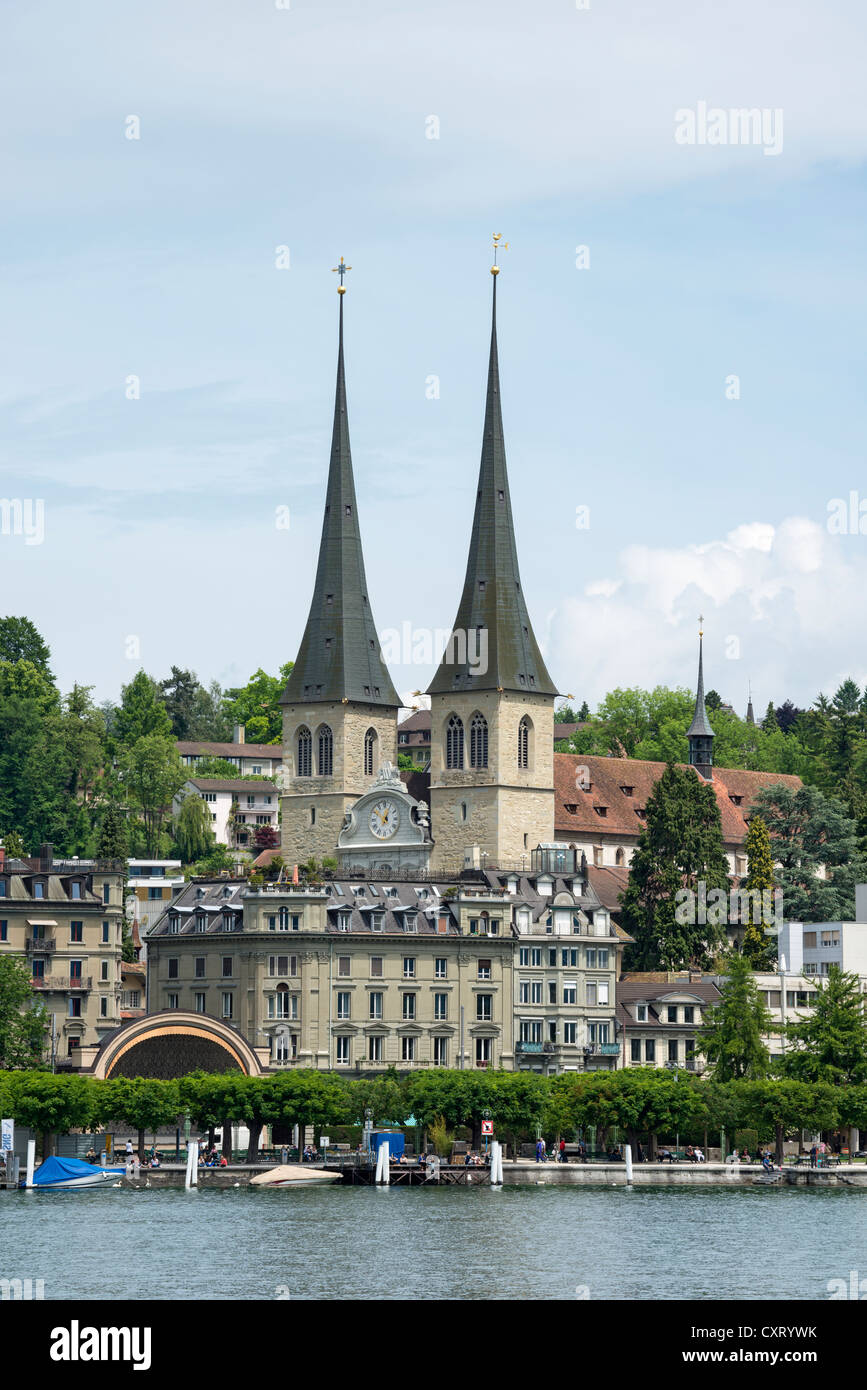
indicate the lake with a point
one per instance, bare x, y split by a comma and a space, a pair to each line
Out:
444, 1243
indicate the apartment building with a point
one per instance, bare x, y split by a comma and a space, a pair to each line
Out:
238, 807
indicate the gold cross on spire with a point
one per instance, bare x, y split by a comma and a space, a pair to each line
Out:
498, 236
341, 271
700, 623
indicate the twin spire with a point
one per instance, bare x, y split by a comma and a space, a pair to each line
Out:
493, 645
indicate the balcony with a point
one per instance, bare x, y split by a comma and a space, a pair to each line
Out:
62, 982
40, 945
609, 1049
529, 1047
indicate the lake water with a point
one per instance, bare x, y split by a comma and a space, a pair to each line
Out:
446, 1243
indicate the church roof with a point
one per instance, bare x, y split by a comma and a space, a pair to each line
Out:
492, 601
339, 657
700, 725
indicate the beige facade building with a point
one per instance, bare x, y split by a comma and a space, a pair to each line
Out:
65, 918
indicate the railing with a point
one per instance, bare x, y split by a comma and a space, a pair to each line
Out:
62, 982
41, 945
610, 1049
528, 1047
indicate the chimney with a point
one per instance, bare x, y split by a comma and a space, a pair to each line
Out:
46, 858
238, 733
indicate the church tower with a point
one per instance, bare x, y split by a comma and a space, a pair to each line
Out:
339, 706
492, 700
699, 733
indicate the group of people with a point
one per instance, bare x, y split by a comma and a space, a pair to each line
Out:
558, 1152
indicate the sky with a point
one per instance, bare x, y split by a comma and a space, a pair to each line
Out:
680, 328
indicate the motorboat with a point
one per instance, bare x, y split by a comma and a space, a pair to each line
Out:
57, 1173
294, 1175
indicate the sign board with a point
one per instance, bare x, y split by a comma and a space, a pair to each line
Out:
324, 1141
7, 1134
108, 1144
487, 1126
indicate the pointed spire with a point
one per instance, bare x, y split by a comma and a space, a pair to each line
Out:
339, 658
700, 733
493, 646
751, 718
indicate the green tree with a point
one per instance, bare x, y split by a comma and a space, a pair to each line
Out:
143, 1103
142, 713
830, 1043
784, 1107
23, 1020
734, 1031
113, 840
51, 1104
680, 848
20, 641
256, 705
809, 830
758, 946
194, 835
151, 773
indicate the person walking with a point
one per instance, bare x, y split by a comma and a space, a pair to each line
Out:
562, 1150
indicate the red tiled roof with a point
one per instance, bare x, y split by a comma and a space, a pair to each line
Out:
229, 750
602, 807
420, 720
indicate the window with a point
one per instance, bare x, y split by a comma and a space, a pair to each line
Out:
531, 1030
441, 1052
103, 970
569, 957
602, 991
441, 968
75, 1008
4, 931
105, 936
409, 967
106, 893
325, 741
809, 939
441, 1007
535, 955
305, 755
602, 955
536, 992
454, 742
478, 741
484, 1052
524, 742
344, 920
39, 890
408, 1006
344, 1004
672, 1049
641, 1013
343, 966
552, 992
524, 955
374, 1049
591, 993
227, 966
376, 967
281, 1004
407, 1049
369, 752
552, 955
174, 925
200, 967
281, 1048
343, 1051
376, 921
635, 1050
173, 967
172, 1001
103, 1007
672, 1013
484, 971
200, 1003
209, 796
649, 1050
75, 889
570, 991
590, 957
689, 1013
2, 888
76, 931
279, 965
523, 991
484, 1007
375, 1005
228, 1005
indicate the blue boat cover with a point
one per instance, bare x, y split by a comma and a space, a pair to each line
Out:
55, 1170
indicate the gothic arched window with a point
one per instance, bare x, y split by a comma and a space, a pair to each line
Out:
478, 741
454, 742
305, 753
524, 742
325, 751
369, 752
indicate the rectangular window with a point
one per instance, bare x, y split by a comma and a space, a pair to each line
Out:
409, 967
484, 1007
570, 1034
441, 1006
672, 1013
635, 1050
105, 936
106, 893
228, 1005
536, 992
376, 967
441, 1052
649, 1050
4, 931
484, 1052
103, 970
484, 971
343, 966
535, 955
590, 957
39, 890
591, 994
407, 1049
200, 967
672, 1049
603, 957
523, 991
343, 1051
570, 991
76, 889
552, 992
408, 1006
531, 1030
200, 1003
344, 1004
375, 1006
524, 955
689, 1013
569, 957
76, 931
103, 1007
172, 1001
374, 1049
75, 1008
173, 967
552, 955
227, 967
809, 939
441, 968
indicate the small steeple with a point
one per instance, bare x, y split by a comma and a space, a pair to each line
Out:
700, 734
339, 658
492, 609
751, 718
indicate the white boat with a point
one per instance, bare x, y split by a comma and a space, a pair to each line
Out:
294, 1175
57, 1173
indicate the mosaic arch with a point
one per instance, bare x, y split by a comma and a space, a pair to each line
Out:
172, 1044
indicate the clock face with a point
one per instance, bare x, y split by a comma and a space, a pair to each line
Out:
384, 819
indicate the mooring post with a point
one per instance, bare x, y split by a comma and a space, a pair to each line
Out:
193, 1164
31, 1162
383, 1170
627, 1154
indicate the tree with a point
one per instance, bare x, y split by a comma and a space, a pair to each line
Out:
809, 830
265, 837
113, 838
218, 767
23, 1020
20, 641
680, 848
140, 1102
757, 945
142, 713
51, 1104
178, 693
734, 1030
152, 774
830, 1044
193, 831
584, 713
787, 716
712, 700
784, 1107
256, 705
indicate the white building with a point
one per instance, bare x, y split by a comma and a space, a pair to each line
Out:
238, 808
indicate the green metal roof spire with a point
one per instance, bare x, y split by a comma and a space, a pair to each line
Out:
700, 734
339, 658
492, 609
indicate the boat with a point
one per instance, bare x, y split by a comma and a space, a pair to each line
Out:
294, 1175
57, 1173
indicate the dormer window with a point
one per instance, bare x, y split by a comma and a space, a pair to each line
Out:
641, 1013
601, 810
75, 889
39, 890
174, 924
627, 791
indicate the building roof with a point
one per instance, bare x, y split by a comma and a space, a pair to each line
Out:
233, 784
493, 600
420, 721
189, 749
655, 993
339, 657
616, 790
700, 726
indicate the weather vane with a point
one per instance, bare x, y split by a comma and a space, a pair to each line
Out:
700, 622
495, 269
341, 271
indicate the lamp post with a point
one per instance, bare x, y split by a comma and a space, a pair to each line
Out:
783, 1004
486, 1115
368, 1116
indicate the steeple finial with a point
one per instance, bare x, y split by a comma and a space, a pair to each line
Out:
341, 271
700, 734
498, 237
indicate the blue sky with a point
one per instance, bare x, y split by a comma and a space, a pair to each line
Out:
307, 127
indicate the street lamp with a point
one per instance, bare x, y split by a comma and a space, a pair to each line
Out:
368, 1117
486, 1115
